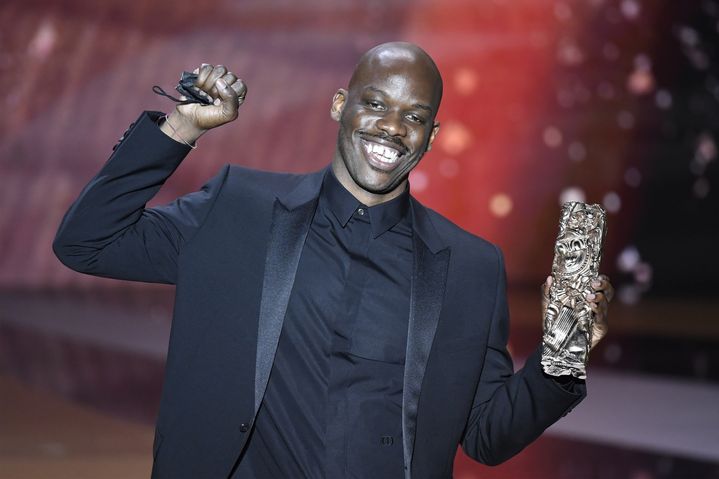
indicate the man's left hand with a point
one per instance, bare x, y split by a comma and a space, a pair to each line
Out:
598, 301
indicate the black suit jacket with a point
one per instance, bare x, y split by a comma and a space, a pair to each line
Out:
232, 250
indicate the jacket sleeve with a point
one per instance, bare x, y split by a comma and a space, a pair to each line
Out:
108, 231
510, 410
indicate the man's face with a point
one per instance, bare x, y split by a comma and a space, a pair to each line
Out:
386, 122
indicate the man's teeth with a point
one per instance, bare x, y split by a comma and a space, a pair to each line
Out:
386, 154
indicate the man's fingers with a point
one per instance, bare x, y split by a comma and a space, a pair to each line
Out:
222, 88
609, 291
203, 72
210, 85
545, 295
546, 286
228, 98
241, 89
596, 297
601, 283
229, 78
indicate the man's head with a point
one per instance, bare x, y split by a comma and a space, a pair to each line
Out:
387, 120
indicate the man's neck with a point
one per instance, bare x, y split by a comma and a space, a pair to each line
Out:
363, 196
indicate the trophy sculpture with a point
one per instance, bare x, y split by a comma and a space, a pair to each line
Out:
569, 320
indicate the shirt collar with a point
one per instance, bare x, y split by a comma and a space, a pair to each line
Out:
343, 205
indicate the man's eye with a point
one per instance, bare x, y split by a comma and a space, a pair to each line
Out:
415, 118
375, 105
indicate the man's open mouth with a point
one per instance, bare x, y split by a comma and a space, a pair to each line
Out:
381, 155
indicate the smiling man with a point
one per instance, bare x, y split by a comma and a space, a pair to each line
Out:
327, 324
386, 121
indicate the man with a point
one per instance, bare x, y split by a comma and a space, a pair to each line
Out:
325, 325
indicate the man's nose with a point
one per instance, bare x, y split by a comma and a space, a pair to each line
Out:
392, 124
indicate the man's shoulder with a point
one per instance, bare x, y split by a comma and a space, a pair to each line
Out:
457, 237
262, 183
265, 178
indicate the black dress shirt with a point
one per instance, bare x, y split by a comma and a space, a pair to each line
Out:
333, 404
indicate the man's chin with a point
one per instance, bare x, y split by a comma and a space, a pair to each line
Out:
379, 187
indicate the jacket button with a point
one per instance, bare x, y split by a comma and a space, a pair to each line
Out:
244, 427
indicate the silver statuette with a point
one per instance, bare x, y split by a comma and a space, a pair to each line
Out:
569, 319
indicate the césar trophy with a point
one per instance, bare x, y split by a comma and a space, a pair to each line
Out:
568, 322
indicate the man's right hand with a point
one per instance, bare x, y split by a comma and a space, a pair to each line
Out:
188, 122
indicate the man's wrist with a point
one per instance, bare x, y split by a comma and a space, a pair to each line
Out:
176, 127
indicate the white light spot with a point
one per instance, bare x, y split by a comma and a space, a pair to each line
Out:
628, 259
630, 9
572, 193
577, 151
43, 42
552, 136
612, 202
688, 36
643, 273
455, 138
640, 81
632, 177
465, 81
500, 205
706, 149
418, 180
629, 294
663, 99
698, 58
449, 167
625, 120
569, 53
642, 62
701, 188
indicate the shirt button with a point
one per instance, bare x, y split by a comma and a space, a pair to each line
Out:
244, 427
360, 211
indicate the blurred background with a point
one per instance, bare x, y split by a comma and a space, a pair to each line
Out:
608, 101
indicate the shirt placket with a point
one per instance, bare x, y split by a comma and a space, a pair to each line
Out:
355, 236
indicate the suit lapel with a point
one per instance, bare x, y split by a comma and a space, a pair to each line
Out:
429, 276
291, 218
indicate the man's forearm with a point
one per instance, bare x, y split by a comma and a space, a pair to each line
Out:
114, 201
518, 412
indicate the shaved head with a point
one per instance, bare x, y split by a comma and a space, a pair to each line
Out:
398, 52
387, 120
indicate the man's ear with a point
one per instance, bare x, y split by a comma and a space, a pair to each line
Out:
338, 104
433, 135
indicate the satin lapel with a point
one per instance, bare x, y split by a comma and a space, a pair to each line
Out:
287, 237
428, 283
